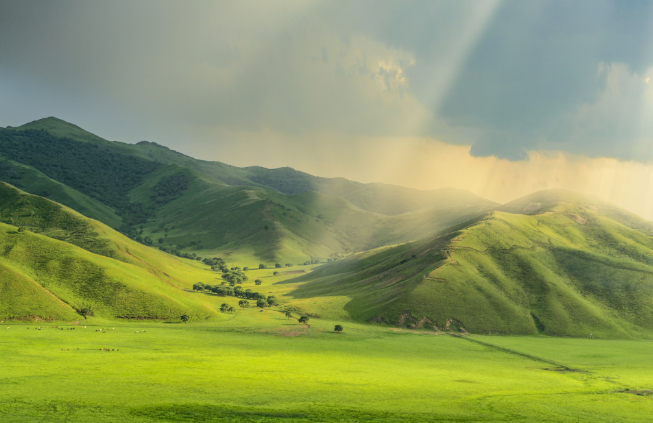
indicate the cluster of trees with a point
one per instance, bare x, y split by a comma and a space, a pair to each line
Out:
9, 173
170, 188
276, 265
234, 277
226, 308
262, 300
215, 263
190, 256
307, 262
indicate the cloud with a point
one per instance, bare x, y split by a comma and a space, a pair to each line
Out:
534, 73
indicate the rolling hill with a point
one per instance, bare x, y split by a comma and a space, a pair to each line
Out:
183, 205
561, 264
55, 263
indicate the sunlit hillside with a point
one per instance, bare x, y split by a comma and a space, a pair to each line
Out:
571, 269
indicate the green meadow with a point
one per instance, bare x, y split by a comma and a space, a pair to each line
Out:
261, 366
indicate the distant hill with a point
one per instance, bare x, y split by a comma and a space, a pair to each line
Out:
567, 267
183, 205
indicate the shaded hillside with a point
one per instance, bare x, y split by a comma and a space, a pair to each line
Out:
570, 270
185, 206
379, 198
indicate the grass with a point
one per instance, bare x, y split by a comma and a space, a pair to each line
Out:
264, 367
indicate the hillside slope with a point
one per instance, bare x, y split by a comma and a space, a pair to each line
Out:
569, 270
168, 200
55, 262
375, 197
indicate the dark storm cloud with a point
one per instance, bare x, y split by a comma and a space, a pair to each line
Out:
537, 64
507, 77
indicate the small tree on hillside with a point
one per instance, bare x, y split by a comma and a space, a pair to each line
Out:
338, 328
258, 282
275, 274
303, 319
262, 266
243, 303
277, 265
185, 318
261, 304
288, 314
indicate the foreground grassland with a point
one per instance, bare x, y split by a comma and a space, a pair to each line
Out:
260, 366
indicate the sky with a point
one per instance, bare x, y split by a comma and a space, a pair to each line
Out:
499, 97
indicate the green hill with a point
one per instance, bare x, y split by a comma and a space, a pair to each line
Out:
564, 269
55, 262
185, 206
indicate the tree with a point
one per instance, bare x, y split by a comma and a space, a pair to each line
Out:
272, 301
275, 274
288, 314
277, 265
338, 328
288, 265
243, 303
245, 269
185, 318
303, 319
262, 266
261, 304
226, 308
258, 282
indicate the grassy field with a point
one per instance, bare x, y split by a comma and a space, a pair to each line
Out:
260, 366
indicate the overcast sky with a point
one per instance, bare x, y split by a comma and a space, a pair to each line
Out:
499, 97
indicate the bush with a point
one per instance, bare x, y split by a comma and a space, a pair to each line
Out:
262, 266
261, 304
338, 328
258, 282
303, 319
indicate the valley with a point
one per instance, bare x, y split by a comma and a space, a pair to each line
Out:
217, 290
